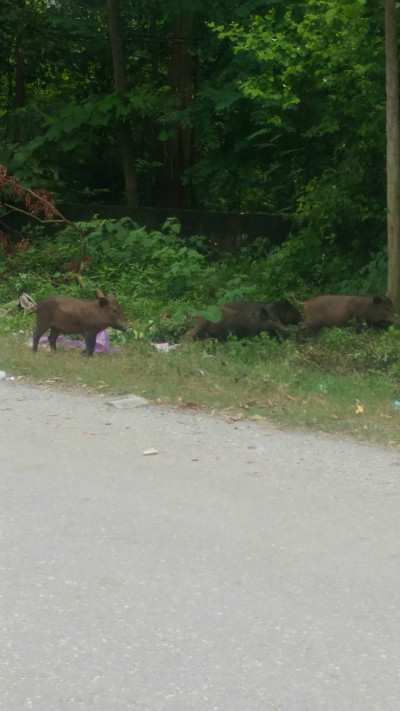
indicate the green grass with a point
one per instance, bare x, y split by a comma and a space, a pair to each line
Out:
341, 383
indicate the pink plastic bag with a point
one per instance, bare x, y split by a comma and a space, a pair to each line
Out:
102, 343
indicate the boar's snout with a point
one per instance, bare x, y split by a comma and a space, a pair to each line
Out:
113, 311
381, 311
118, 322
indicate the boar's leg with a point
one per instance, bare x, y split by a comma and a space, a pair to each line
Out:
53, 335
272, 324
90, 340
35, 339
306, 331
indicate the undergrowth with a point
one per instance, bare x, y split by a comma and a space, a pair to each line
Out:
341, 381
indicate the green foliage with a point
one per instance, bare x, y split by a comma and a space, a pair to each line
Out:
319, 92
161, 264
211, 313
286, 114
288, 99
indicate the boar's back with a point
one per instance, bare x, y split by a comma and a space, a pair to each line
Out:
281, 310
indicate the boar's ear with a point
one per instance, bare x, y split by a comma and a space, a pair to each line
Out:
103, 301
377, 300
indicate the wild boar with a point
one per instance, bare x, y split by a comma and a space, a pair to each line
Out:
242, 324
281, 310
340, 310
64, 314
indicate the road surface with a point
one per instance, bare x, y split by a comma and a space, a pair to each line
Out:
240, 568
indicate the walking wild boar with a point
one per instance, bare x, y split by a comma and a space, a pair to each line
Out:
242, 324
340, 310
64, 314
281, 310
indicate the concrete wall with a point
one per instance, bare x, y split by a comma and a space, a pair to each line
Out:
223, 229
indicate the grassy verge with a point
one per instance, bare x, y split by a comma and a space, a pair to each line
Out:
341, 383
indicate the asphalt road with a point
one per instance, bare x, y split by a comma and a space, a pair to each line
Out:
238, 569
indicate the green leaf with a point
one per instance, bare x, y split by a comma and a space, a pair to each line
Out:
211, 313
331, 14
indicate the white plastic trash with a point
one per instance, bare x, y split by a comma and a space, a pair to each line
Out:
3, 375
165, 347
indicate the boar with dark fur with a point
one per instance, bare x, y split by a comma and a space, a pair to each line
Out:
281, 310
236, 323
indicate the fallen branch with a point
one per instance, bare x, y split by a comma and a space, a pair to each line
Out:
36, 202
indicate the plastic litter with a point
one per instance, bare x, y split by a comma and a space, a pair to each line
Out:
359, 408
102, 343
3, 375
27, 303
396, 405
127, 403
165, 347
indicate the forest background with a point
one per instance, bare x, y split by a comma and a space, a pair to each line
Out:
241, 106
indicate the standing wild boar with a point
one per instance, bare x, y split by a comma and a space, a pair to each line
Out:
64, 314
242, 324
281, 310
340, 310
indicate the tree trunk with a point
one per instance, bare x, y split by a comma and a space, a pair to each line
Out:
179, 148
393, 153
19, 76
19, 59
154, 51
125, 133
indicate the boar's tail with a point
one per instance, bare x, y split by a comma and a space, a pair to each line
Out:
297, 301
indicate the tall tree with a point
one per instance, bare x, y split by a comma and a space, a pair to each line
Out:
393, 152
125, 133
19, 61
179, 148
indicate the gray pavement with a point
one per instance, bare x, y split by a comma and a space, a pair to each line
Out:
238, 569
